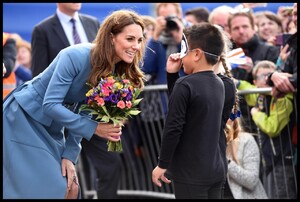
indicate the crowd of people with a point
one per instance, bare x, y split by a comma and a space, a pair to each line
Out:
215, 143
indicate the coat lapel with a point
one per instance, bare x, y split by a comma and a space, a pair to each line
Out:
58, 29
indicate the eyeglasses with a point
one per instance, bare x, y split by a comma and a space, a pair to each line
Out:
200, 50
262, 76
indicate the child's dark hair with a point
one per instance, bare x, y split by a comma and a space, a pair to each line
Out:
208, 38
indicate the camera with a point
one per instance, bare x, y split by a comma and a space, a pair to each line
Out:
171, 23
281, 39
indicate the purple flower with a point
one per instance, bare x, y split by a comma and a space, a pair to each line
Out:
112, 98
129, 96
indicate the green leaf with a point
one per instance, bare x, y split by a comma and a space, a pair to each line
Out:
93, 112
134, 112
85, 107
118, 120
105, 119
99, 117
105, 110
136, 102
137, 92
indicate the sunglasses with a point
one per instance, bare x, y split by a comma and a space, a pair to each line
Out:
240, 10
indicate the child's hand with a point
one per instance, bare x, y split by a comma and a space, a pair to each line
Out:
173, 63
254, 110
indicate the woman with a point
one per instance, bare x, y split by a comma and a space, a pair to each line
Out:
190, 153
38, 160
269, 26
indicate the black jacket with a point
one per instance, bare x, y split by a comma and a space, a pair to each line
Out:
48, 38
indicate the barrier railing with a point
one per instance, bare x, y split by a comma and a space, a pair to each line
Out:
141, 143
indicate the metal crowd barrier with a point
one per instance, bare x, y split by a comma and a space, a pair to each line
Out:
141, 144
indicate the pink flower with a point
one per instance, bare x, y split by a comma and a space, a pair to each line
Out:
121, 104
106, 91
128, 104
100, 101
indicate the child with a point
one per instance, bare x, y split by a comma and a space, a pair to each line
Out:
190, 144
243, 164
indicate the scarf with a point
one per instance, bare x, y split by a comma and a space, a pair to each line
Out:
168, 41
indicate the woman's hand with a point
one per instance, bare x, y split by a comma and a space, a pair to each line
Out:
159, 27
248, 66
177, 34
68, 170
284, 53
109, 131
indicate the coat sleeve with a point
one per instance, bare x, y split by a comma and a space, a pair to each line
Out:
280, 111
62, 78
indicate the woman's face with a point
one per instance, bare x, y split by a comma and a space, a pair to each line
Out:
268, 28
128, 43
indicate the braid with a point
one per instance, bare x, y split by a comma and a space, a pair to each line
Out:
232, 130
236, 128
227, 72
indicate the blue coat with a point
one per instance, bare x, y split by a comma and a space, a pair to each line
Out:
34, 117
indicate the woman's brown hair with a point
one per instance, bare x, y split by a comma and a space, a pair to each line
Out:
102, 54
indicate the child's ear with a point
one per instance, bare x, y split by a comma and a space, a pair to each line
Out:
198, 55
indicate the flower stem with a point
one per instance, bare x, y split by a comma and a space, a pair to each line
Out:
114, 146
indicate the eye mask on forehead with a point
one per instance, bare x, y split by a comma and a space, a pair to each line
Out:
184, 46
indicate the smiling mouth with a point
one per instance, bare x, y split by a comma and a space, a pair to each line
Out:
131, 54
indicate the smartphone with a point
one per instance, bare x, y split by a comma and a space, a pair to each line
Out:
281, 39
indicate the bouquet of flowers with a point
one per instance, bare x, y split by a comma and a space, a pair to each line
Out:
113, 100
